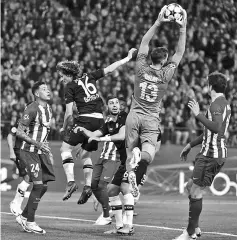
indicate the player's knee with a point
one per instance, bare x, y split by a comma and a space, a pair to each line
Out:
196, 191
67, 157
146, 157
87, 164
94, 184
102, 185
113, 190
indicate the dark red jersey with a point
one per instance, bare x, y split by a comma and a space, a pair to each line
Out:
214, 144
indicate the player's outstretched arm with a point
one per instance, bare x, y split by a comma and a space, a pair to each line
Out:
90, 134
120, 136
11, 142
144, 46
119, 63
176, 58
216, 123
189, 146
68, 113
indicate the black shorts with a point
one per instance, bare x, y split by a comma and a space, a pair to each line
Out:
105, 169
91, 124
122, 175
205, 169
39, 166
20, 163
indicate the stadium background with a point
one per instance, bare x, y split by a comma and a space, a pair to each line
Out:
36, 34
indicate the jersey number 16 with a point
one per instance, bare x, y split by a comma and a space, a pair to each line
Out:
88, 88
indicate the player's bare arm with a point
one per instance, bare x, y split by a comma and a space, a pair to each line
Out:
176, 58
88, 133
120, 136
11, 142
189, 146
119, 63
213, 125
43, 146
144, 46
68, 112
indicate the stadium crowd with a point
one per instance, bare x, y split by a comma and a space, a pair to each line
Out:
36, 35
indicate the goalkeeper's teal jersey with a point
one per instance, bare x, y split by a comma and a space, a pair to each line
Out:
150, 86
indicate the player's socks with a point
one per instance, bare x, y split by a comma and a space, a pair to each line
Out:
20, 192
33, 201
128, 208
116, 206
68, 165
101, 194
195, 208
88, 170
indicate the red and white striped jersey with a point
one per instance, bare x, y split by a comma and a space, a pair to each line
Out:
214, 144
37, 119
110, 152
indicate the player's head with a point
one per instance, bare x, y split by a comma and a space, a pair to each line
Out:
69, 70
217, 82
113, 105
159, 56
123, 104
41, 91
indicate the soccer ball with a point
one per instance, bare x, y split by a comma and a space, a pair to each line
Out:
174, 13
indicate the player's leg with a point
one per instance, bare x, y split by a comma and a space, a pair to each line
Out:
114, 199
68, 166
109, 169
27, 219
149, 133
85, 158
128, 207
15, 205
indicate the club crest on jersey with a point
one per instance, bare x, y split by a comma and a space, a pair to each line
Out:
26, 117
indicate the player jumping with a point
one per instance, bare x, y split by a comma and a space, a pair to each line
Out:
81, 89
213, 152
151, 83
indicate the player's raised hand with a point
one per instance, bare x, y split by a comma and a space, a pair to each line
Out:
132, 53
194, 106
184, 152
183, 19
161, 17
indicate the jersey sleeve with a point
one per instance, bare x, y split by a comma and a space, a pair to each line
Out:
141, 62
104, 129
216, 110
69, 95
97, 74
169, 70
28, 115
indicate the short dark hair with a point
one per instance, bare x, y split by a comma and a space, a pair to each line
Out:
36, 86
218, 81
158, 54
110, 97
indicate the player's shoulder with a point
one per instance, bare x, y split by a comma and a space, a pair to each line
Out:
122, 116
169, 65
32, 107
219, 104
